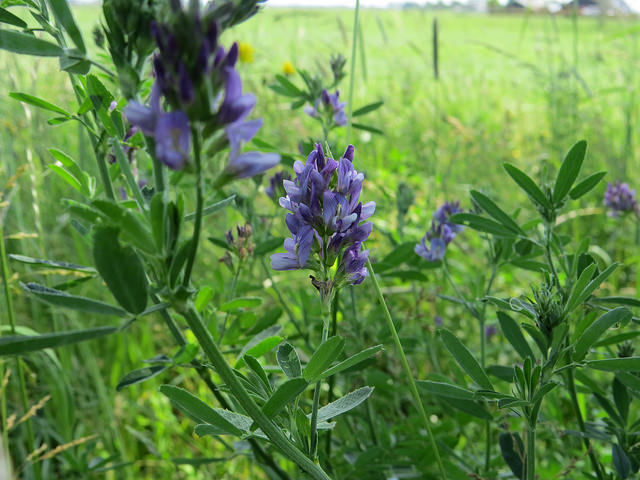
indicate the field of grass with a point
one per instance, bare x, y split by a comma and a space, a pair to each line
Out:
511, 88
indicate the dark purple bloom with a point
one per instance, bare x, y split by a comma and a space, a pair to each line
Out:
235, 106
275, 188
620, 199
438, 320
145, 118
247, 164
441, 234
173, 139
331, 105
326, 218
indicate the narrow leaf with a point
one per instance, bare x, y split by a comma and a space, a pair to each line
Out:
21, 344
324, 356
9, 18
27, 44
482, 224
351, 361
198, 410
528, 185
569, 171
512, 332
627, 364
465, 359
73, 302
446, 390
140, 375
586, 185
597, 329
367, 108
288, 360
63, 14
284, 395
38, 102
348, 402
496, 212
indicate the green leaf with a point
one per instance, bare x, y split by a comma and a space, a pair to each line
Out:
21, 344
261, 343
140, 375
38, 102
101, 99
213, 208
621, 461
586, 185
27, 44
51, 263
470, 407
240, 302
630, 380
9, 18
288, 360
324, 356
465, 359
514, 335
627, 364
569, 171
579, 294
446, 390
513, 453
367, 108
482, 224
627, 301
121, 269
284, 395
367, 128
268, 245
63, 14
72, 302
351, 361
528, 185
496, 212
198, 410
348, 402
580, 285
621, 398
597, 329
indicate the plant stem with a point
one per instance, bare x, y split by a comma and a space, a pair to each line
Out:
407, 370
548, 234
571, 386
23, 386
531, 452
244, 399
197, 226
204, 375
125, 168
326, 319
352, 69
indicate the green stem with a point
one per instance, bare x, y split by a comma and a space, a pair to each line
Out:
352, 69
159, 178
571, 386
326, 318
407, 370
23, 386
203, 372
530, 469
244, 399
197, 226
548, 233
332, 379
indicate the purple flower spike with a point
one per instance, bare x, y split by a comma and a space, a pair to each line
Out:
173, 139
620, 199
324, 199
331, 106
441, 234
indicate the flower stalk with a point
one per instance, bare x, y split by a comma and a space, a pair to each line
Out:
407, 370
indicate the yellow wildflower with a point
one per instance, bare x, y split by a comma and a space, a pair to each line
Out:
288, 68
245, 52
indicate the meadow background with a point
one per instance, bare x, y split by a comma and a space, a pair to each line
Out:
520, 88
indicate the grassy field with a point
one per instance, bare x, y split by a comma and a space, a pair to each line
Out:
514, 88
